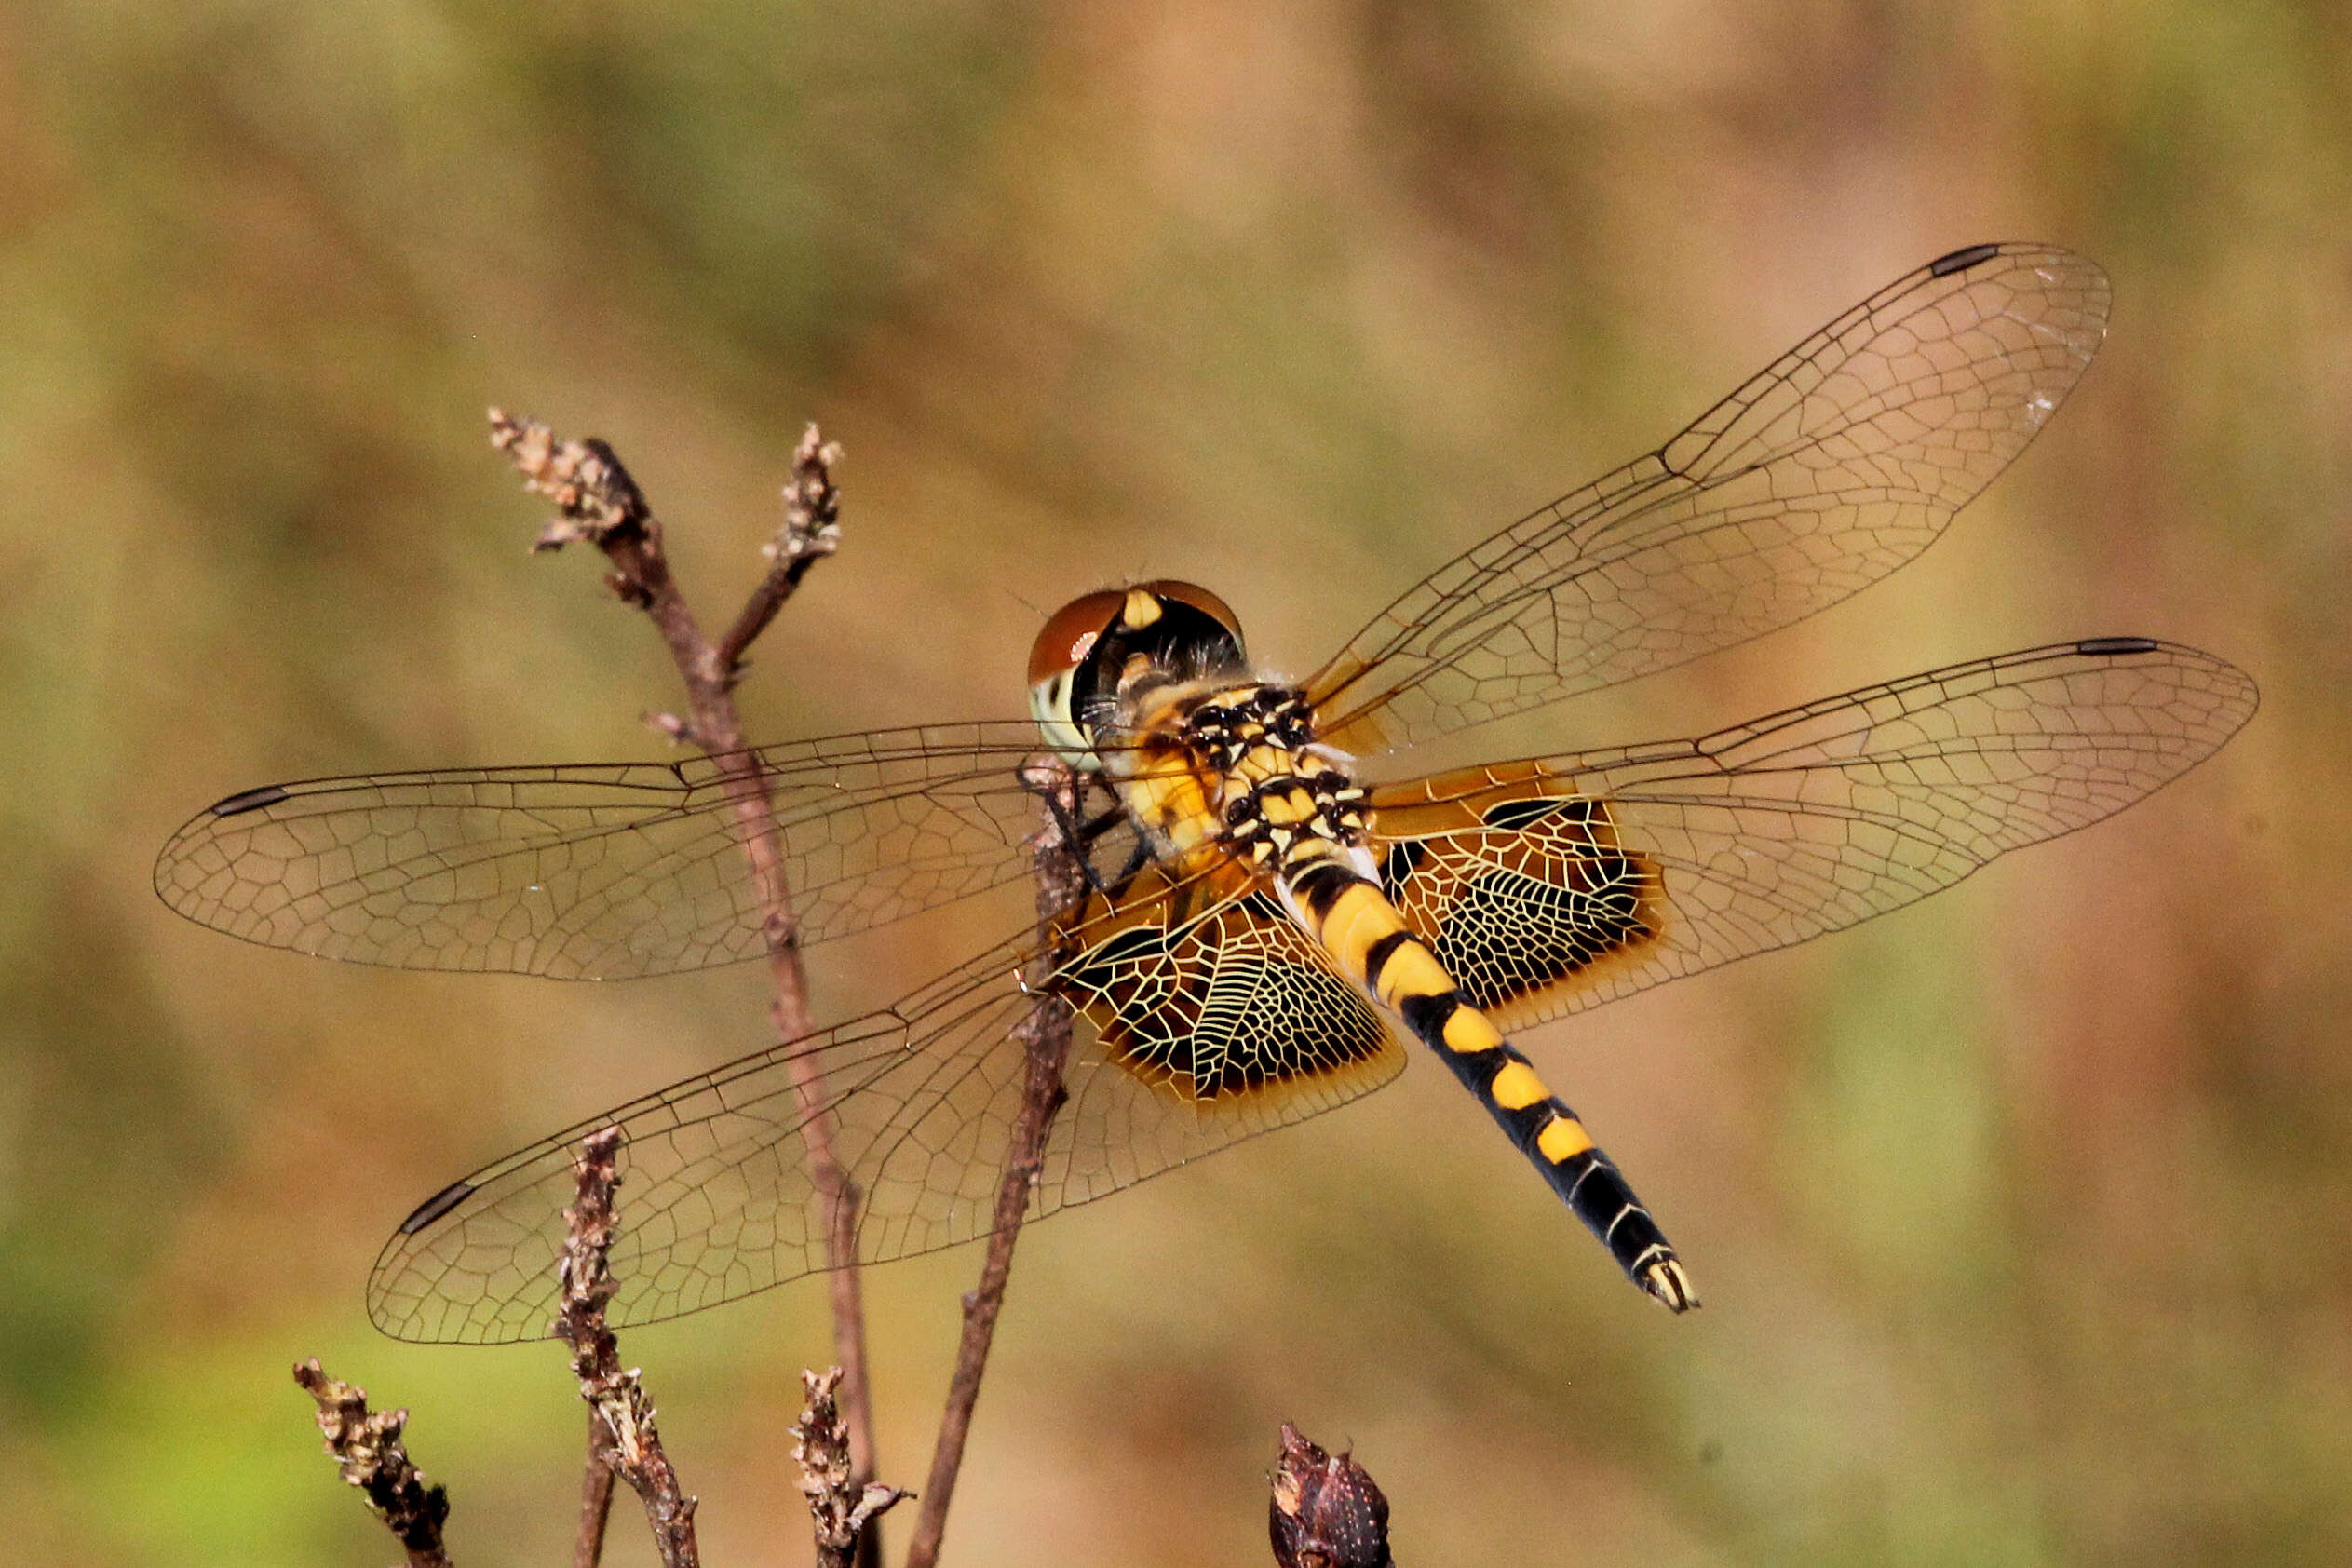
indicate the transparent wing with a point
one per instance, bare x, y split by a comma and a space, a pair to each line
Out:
1840, 462
1557, 885
1192, 1033
605, 870
1827, 471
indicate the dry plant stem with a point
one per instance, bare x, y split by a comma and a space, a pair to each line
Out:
622, 1431
1061, 887
1325, 1511
598, 503
368, 1449
596, 1498
811, 531
820, 1445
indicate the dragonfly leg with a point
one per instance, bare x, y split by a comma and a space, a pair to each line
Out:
1083, 832
1090, 831
1136, 861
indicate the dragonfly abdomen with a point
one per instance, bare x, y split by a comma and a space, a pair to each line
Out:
1349, 915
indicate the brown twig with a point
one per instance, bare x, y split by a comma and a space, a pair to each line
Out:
622, 1429
820, 1445
1060, 886
811, 531
368, 1449
596, 1499
1325, 1512
598, 503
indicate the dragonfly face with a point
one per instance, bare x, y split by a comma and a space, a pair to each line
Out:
1101, 658
1263, 921
1148, 688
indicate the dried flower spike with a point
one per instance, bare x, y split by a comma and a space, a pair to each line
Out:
1325, 1511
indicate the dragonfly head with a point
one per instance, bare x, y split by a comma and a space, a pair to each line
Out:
1096, 651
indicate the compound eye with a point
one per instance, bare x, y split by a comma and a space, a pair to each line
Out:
1198, 598
1069, 635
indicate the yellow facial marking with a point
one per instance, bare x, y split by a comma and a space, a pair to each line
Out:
1469, 1032
1563, 1140
1140, 611
1516, 1087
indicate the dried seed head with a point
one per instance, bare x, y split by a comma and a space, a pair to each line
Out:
1325, 1511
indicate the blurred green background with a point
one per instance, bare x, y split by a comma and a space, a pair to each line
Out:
2022, 1216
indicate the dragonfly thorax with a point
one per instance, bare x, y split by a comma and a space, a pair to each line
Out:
1236, 766
1277, 787
1148, 687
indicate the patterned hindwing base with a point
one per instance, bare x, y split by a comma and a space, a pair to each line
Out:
1238, 1004
1536, 899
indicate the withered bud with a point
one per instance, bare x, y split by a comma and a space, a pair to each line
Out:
366, 1445
1325, 1511
594, 494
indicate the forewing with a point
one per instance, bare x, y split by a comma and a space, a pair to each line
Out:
605, 870
1570, 881
1840, 462
716, 1199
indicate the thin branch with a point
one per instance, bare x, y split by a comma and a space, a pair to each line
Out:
820, 1445
1325, 1511
811, 531
622, 1429
596, 1498
598, 503
1061, 888
369, 1450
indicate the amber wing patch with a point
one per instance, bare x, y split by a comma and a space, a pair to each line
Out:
1236, 1006
1538, 901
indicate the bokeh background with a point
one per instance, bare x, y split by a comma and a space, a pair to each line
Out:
2021, 1215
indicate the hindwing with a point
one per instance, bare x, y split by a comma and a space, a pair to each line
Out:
1526, 894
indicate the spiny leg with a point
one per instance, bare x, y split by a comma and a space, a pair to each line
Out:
1086, 833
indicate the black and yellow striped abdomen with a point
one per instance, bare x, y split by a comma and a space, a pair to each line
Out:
1371, 943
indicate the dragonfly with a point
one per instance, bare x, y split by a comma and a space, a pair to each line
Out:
1266, 912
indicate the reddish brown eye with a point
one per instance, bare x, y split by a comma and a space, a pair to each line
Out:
1073, 630
1069, 636
1199, 599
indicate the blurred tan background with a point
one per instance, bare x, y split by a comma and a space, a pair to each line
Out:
2022, 1216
